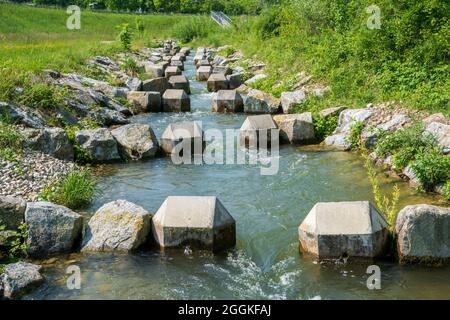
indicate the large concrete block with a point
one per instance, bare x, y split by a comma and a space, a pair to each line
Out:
203, 73
423, 234
344, 229
227, 101
154, 70
295, 128
172, 71
157, 84
216, 82
222, 70
203, 63
190, 134
256, 128
176, 100
180, 82
199, 222
145, 101
177, 63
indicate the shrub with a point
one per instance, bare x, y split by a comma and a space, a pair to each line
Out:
269, 23
431, 168
190, 29
125, 36
11, 141
446, 190
354, 137
324, 127
74, 191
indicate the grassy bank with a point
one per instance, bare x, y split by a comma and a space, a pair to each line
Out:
406, 60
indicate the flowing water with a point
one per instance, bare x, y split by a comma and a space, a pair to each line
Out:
266, 263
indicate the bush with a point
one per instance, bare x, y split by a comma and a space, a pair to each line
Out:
125, 36
74, 191
354, 137
405, 144
431, 168
324, 127
188, 30
446, 190
269, 23
11, 141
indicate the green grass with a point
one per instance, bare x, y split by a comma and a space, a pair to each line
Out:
11, 141
74, 191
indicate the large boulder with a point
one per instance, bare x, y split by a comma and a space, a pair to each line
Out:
227, 101
203, 63
216, 82
222, 70
331, 112
107, 117
134, 84
234, 80
99, 143
203, 73
199, 222
51, 141
157, 84
19, 278
441, 132
190, 134
136, 141
423, 234
24, 116
118, 226
12, 212
145, 101
180, 82
290, 99
51, 229
176, 100
258, 101
296, 128
255, 128
347, 119
344, 229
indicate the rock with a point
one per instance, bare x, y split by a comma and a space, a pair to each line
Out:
180, 82
222, 70
423, 234
411, 175
190, 134
157, 84
99, 143
145, 101
347, 118
19, 278
51, 141
216, 82
234, 80
12, 212
51, 229
436, 117
178, 64
296, 128
331, 112
256, 127
185, 50
442, 134
203, 73
24, 116
256, 78
136, 141
175, 100
199, 222
370, 135
107, 117
227, 101
258, 101
172, 71
344, 229
134, 84
118, 226
290, 99
202, 63
154, 70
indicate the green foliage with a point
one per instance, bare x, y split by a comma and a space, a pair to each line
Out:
405, 144
131, 67
192, 28
140, 27
324, 127
446, 190
41, 95
227, 51
18, 247
11, 141
354, 137
81, 156
269, 23
386, 205
74, 191
125, 36
431, 168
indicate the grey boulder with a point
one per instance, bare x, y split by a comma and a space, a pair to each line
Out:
136, 141
258, 101
19, 278
290, 99
99, 143
296, 128
12, 212
51, 141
